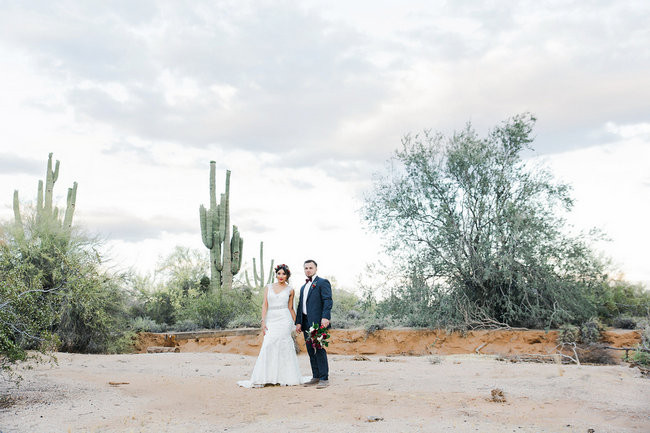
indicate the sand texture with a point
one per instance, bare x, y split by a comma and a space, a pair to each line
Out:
197, 392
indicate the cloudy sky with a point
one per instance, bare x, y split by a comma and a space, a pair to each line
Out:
303, 101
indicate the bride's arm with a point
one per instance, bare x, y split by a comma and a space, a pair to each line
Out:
265, 307
293, 313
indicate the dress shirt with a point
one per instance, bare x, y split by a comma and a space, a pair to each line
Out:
305, 293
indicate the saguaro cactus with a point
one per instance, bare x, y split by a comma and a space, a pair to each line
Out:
225, 252
259, 278
45, 213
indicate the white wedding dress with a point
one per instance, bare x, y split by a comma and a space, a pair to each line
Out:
277, 362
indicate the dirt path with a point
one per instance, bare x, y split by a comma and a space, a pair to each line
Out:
197, 392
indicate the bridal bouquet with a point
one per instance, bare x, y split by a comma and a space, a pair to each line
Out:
318, 336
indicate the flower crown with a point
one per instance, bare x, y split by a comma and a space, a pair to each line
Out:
282, 266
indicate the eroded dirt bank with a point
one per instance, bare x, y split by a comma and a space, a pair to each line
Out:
404, 341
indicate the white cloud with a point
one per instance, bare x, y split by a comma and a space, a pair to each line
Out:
302, 102
611, 185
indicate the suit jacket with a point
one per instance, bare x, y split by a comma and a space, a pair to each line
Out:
319, 302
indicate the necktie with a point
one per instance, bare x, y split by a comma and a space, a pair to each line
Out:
307, 280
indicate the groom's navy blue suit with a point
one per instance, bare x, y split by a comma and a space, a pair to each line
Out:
319, 306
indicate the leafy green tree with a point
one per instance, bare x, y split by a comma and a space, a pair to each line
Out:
479, 232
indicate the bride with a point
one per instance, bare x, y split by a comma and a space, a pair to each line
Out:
277, 362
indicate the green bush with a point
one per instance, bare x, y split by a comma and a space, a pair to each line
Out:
623, 322
590, 332
58, 293
145, 324
249, 320
186, 325
568, 334
346, 310
213, 311
642, 356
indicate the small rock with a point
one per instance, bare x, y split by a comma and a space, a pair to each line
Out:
498, 396
360, 358
374, 418
162, 349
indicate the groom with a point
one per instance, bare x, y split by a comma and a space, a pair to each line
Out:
314, 306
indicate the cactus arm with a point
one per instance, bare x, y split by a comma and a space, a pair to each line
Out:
55, 175
271, 272
240, 254
206, 226
248, 281
235, 248
227, 253
18, 219
50, 178
213, 192
221, 218
258, 282
70, 206
218, 261
39, 198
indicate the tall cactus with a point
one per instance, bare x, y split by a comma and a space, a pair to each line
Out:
225, 251
50, 179
259, 278
45, 212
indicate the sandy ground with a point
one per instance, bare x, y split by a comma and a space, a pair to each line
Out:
197, 392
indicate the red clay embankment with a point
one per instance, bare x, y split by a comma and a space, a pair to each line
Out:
405, 341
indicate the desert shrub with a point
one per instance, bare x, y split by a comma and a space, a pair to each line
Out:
590, 331
245, 321
596, 354
622, 322
568, 334
145, 324
162, 305
346, 309
641, 355
617, 297
93, 314
214, 311
374, 324
185, 325
25, 321
65, 290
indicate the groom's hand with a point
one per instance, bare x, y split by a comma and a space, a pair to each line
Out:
298, 328
324, 322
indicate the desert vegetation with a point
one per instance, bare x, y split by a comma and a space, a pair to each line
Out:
477, 238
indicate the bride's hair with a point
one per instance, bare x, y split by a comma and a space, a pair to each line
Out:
285, 268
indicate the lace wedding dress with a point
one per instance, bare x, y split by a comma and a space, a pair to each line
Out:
277, 362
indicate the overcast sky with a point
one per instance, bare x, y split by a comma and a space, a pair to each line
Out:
303, 101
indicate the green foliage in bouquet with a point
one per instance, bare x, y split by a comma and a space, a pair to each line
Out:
319, 336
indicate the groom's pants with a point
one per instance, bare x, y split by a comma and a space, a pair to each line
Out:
317, 359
